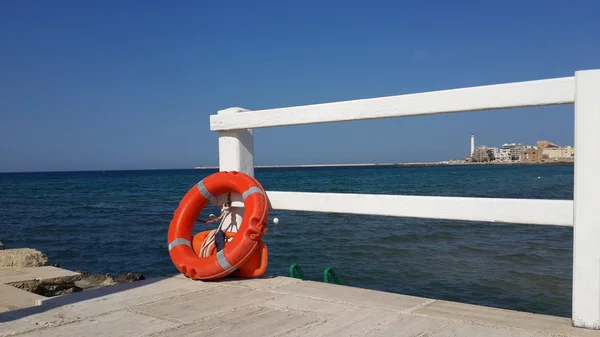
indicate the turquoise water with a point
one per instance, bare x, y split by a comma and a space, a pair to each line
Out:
116, 222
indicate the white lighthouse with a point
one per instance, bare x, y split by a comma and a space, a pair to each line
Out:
472, 144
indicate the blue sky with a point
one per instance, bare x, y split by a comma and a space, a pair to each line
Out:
131, 84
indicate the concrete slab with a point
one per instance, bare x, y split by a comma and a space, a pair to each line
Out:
315, 306
4, 307
8, 275
121, 323
247, 322
350, 295
18, 298
369, 322
201, 305
506, 318
28, 319
458, 329
46, 273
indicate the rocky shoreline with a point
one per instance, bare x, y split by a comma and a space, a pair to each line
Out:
23, 258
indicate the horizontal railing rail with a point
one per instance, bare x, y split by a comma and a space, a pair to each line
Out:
499, 96
518, 211
236, 152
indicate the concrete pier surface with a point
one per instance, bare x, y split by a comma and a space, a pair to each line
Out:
269, 306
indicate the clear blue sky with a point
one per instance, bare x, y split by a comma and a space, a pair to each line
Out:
131, 84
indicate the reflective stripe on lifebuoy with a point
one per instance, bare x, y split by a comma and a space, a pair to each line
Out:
240, 248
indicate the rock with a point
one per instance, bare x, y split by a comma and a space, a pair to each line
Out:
82, 272
95, 281
73, 289
129, 278
1, 246
59, 289
22, 258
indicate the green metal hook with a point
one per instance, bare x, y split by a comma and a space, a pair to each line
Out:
329, 271
296, 267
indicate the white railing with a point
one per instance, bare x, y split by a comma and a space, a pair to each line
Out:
236, 152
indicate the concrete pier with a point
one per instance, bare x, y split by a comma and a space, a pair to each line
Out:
272, 306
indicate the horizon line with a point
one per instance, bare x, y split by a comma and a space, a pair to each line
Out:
441, 162
216, 167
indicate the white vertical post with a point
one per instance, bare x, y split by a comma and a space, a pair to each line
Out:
586, 218
236, 153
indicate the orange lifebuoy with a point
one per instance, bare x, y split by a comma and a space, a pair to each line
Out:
255, 266
242, 247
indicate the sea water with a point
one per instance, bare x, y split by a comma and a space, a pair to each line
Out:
117, 221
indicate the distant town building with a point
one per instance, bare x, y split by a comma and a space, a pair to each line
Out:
555, 153
513, 151
546, 144
483, 154
531, 155
503, 155
547, 151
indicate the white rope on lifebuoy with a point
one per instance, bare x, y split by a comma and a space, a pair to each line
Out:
209, 242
